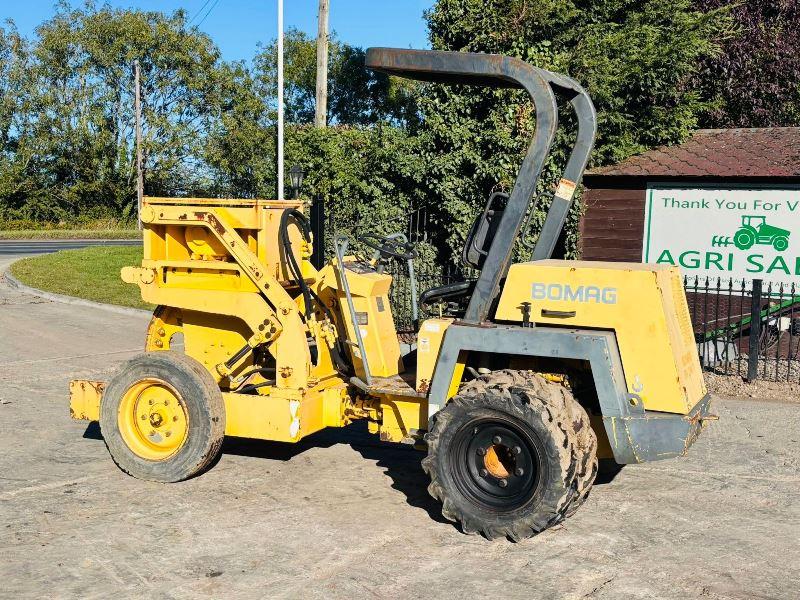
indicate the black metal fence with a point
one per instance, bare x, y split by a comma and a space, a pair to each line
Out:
746, 328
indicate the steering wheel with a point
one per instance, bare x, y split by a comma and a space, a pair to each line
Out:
389, 246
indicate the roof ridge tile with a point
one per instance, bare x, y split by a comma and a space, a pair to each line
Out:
766, 151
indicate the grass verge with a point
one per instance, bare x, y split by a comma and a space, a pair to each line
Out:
89, 273
70, 234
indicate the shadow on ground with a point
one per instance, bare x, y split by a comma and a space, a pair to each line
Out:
402, 464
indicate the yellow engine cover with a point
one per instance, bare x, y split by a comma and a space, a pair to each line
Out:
644, 304
370, 291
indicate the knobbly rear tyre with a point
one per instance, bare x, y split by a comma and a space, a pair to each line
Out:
511, 455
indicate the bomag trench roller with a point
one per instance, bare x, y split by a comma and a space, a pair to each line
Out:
530, 374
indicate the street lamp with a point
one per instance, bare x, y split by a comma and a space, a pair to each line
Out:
296, 175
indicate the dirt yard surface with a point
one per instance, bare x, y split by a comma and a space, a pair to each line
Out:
342, 516
735, 386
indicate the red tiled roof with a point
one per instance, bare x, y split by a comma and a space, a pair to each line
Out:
764, 152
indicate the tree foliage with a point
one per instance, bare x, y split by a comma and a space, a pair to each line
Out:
75, 127
15, 155
371, 177
635, 58
67, 113
755, 80
356, 96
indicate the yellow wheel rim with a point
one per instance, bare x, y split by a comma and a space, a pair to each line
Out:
153, 420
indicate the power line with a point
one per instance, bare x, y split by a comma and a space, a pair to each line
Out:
208, 13
197, 14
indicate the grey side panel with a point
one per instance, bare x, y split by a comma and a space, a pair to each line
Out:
635, 435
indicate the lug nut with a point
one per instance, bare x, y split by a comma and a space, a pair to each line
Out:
144, 417
503, 483
481, 451
497, 439
519, 472
169, 433
484, 472
175, 418
517, 450
150, 402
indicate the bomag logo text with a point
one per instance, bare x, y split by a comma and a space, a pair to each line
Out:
567, 293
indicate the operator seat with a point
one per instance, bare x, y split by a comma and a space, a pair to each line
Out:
476, 248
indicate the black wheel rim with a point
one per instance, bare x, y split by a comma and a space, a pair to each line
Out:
496, 464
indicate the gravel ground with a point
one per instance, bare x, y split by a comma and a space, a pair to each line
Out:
737, 387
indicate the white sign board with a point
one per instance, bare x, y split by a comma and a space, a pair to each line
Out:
735, 234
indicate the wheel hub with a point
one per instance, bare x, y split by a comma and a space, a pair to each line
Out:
153, 420
497, 465
499, 461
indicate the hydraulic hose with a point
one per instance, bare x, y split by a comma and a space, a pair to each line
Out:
294, 267
296, 272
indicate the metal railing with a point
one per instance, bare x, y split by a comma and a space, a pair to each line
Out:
746, 328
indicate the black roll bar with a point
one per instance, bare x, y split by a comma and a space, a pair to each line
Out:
494, 70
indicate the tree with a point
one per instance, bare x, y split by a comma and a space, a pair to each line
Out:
356, 96
79, 118
755, 80
637, 60
241, 145
16, 178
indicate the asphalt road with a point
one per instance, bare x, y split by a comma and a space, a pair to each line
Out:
11, 248
342, 516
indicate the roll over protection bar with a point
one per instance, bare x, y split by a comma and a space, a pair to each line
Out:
496, 71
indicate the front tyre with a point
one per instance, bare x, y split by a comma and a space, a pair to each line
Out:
162, 417
511, 455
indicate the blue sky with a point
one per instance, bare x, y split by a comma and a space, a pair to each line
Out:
238, 25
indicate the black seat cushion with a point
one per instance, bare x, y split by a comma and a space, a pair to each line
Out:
453, 295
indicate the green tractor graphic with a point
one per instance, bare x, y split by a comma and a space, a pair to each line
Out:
755, 230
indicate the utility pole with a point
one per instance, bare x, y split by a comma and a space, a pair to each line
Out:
321, 116
139, 175
280, 100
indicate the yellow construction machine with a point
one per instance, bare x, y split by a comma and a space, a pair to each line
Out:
529, 373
